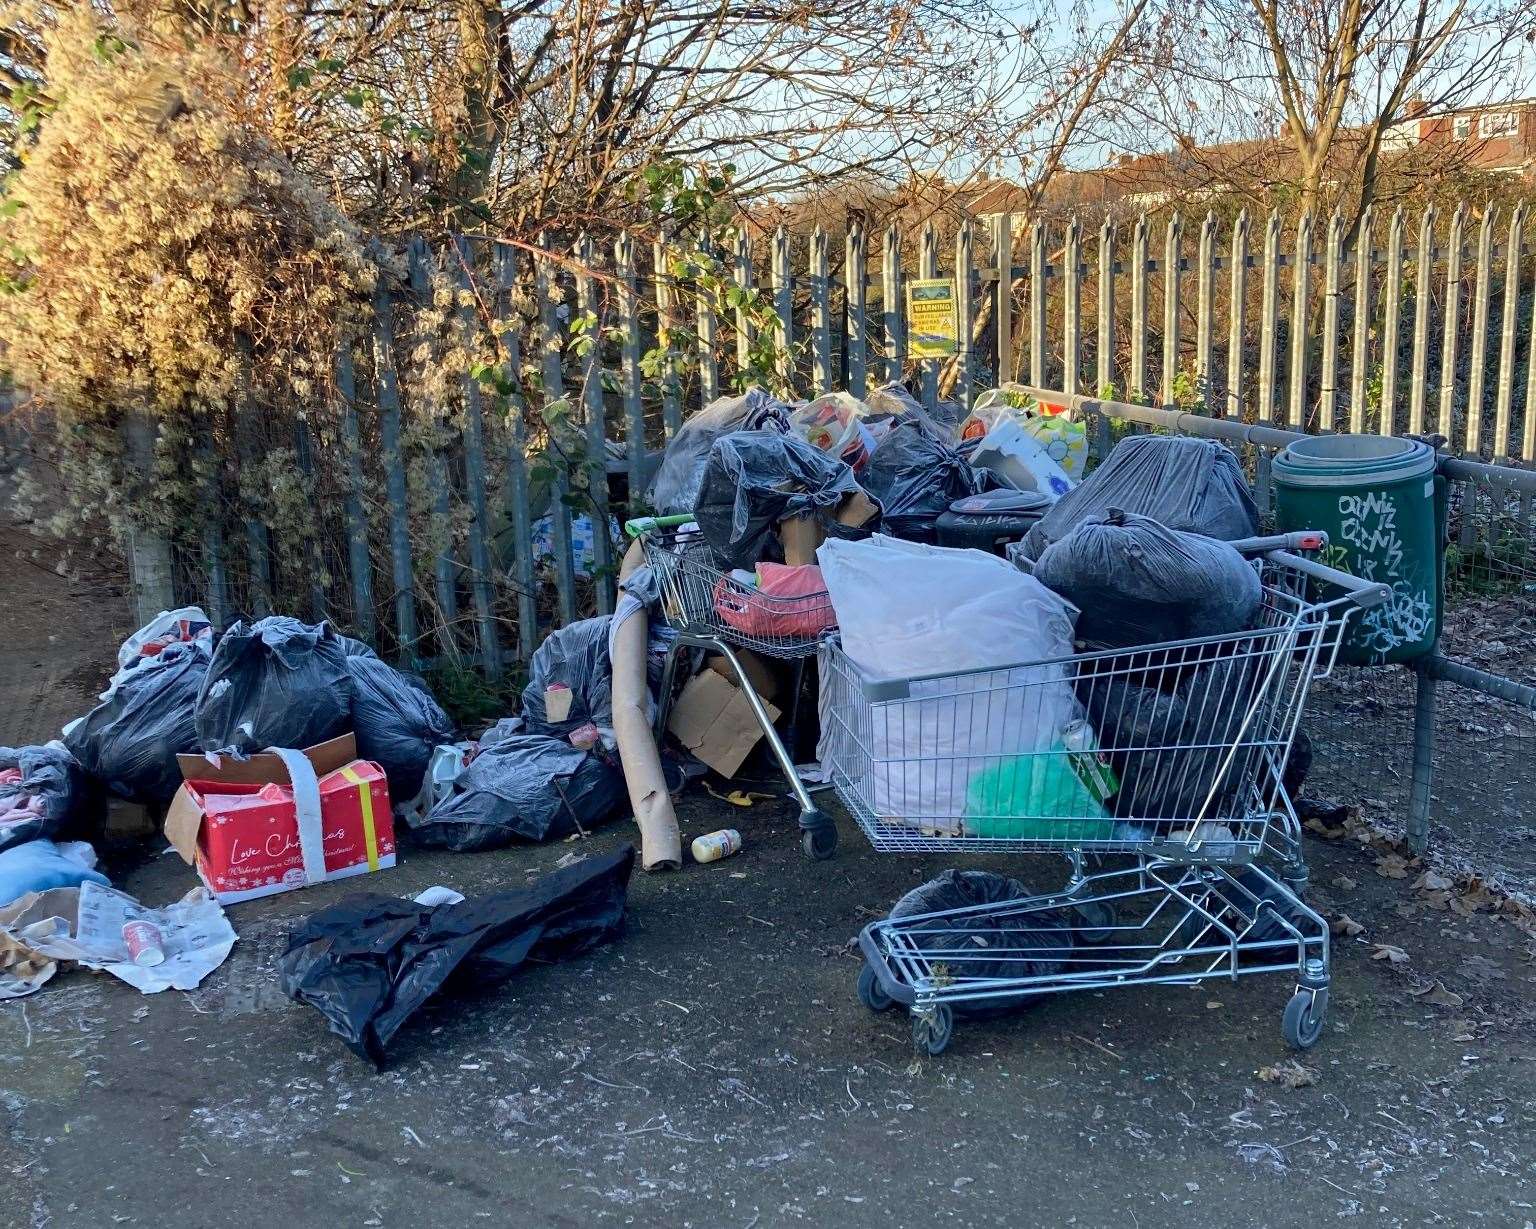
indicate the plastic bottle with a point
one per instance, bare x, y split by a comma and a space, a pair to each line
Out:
716, 845
1092, 769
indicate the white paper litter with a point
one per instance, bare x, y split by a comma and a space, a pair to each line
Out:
198, 938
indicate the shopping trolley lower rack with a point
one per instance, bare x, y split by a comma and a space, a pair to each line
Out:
713, 610
1172, 753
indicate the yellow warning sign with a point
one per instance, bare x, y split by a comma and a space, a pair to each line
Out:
931, 328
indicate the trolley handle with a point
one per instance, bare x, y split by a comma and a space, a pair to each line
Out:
642, 525
1363, 593
1303, 539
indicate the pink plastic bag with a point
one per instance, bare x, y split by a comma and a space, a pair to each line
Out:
788, 601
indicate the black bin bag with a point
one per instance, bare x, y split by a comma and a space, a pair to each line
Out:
369, 962
916, 476
1135, 581
53, 791
575, 655
1042, 931
397, 721
130, 740
755, 479
676, 485
1192, 485
275, 683
523, 787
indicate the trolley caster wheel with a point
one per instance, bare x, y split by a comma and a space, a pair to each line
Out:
932, 1030
1096, 919
1305, 1014
819, 839
871, 993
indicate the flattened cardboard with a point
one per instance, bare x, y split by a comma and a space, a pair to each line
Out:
713, 719
801, 535
758, 673
184, 818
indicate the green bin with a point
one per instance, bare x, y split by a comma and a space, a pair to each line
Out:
1382, 505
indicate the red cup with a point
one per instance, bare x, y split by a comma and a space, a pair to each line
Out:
145, 943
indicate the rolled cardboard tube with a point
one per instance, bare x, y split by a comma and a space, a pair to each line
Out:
661, 845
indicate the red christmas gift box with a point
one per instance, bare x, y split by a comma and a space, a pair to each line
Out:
251, 831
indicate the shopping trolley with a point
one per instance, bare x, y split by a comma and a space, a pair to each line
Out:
1173, 753
710, 609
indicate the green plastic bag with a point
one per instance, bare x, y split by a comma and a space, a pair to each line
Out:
1034, 797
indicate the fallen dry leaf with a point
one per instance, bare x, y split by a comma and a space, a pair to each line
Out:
1347, 926
1289, 1074
1392, 866
1344, 883
1437, 995
1391, 953
1431, 881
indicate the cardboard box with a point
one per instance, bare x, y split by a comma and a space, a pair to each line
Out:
758, 673
235, 823
801, 535
713, 719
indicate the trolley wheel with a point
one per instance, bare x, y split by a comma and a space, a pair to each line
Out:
1305, 1014
933, 1029
818, 836
1097, 921
871, 993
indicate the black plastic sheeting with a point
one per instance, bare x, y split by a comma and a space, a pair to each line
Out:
395, 718
1136, 582
1196, 486
971, 937
370, 962
915, 476
755, 479
523, 787
275, 683
51, 775
676, 485
130, 740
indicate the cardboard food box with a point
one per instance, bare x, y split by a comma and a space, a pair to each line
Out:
713, 719
238, 823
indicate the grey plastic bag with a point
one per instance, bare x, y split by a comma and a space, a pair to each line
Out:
1193, 485
397, 722
916, 476
1136, 581
132, 738
524, 787
275, 683
676, 485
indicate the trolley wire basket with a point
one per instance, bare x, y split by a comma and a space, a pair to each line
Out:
1174, 753
711, 609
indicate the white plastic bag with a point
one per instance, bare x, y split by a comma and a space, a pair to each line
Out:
907, 610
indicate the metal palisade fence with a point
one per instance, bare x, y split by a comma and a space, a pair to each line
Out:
443, 515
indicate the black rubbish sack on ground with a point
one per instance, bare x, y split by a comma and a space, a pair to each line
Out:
397, 722
1169, 737
915, 476
1138, 582
369, 962
676, 485
1044, 930
50, 796
523, 787
575, 656
275, 683
755, 479
1196, 486
132, 738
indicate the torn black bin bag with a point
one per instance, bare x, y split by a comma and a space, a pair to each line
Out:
915, 476
1138, 582
130, 740
1037, 935
527, 787
575, 655
368, 963
1196, 486
50, 779
755, 479
397, 722
275, 683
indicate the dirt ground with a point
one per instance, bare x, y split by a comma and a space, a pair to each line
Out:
714, 1068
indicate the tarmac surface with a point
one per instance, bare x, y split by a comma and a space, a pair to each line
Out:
713, 1067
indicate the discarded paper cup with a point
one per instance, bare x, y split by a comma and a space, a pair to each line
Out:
145, 943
